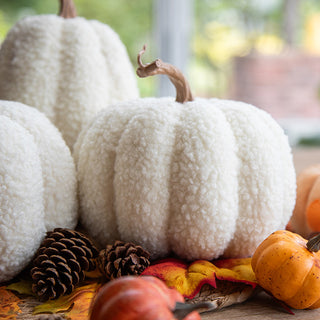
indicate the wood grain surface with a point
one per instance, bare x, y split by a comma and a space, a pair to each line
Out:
260, 307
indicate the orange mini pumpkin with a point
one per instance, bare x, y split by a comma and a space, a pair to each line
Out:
306, 215
288, 266
141, 298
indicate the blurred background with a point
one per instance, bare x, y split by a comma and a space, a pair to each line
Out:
266, 53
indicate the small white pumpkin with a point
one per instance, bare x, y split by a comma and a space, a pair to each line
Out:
203, 178
66, 66
38, 186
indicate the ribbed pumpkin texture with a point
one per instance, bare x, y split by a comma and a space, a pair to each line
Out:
285, 267
141, 298
38, 186
203, 178
67, 67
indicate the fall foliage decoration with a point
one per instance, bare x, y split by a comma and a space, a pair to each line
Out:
188, 278
122, 259
66, 66
141, 298
9, 307
38, 185
305, 219
75, 306
198, 177
61, 262
287, 265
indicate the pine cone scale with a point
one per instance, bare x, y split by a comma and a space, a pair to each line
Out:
61, 262
123, 258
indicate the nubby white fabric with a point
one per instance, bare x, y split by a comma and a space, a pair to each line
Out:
204, 179
67, 68
38, 186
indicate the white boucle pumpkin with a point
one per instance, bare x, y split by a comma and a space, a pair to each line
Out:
68, 68
203, 178
37, 184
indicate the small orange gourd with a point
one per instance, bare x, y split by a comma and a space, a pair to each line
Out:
305, 219
142, 298
288, 266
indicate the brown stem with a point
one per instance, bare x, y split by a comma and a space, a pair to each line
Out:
313, 244
159, 67
181, 310
67, 9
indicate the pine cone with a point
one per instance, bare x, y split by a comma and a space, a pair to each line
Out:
60, 263
121, 259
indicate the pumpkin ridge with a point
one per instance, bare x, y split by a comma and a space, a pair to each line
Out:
170, 188
21, 219
275, 271
284, 170
147, 226
101, 212
196, 216
255, 183
300, 291
119, 78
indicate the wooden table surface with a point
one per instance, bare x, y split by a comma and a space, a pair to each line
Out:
261, 306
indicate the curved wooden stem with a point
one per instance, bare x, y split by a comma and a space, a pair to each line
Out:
159, 67
67, 9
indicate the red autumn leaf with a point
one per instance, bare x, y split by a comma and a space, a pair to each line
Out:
189, 278
9, 307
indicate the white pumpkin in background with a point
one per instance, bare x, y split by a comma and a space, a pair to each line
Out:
66, 66
202, 178
38, 186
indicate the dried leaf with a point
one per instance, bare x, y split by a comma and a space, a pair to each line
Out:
75, 306
224, 295
22, 287
9, 307
189, 279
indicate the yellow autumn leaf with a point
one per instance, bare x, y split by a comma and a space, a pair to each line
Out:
75, 305
189, 278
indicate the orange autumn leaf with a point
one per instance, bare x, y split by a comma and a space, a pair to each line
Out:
75, 306
189, 278
9, 307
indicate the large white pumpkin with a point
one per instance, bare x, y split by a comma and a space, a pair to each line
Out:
203, 178
66, 66
38, 186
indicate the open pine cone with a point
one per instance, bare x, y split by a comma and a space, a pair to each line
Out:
61, 262
123, 258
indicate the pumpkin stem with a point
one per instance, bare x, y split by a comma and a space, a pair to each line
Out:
176, 77
313, 244
181, 310
67, 9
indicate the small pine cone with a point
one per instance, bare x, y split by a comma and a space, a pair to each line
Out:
60, 263
122, 259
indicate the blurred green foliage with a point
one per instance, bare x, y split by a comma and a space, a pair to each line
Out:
131, 19
222, 29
